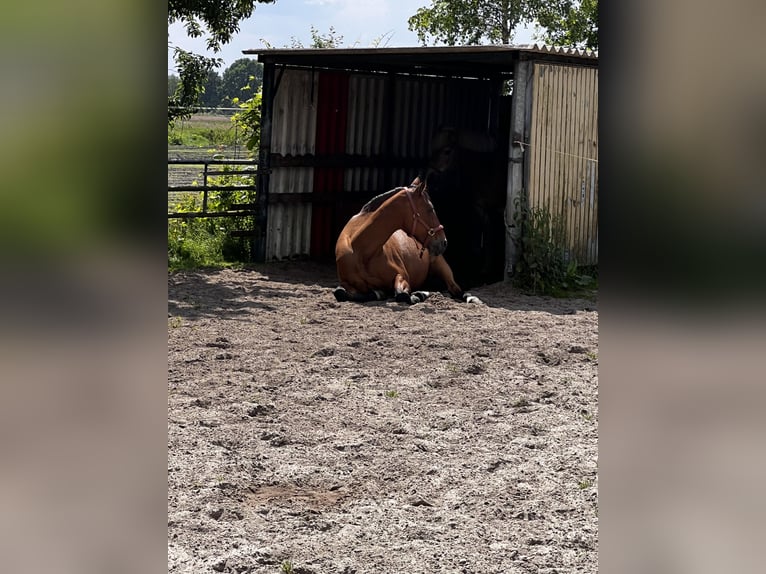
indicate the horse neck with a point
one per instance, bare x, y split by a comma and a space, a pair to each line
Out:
381, 224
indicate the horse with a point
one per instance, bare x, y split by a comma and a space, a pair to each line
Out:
374, 254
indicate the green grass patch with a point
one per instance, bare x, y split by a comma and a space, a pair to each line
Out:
207, 241
205, 131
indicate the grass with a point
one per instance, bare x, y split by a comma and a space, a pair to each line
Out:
205, 130
392, 394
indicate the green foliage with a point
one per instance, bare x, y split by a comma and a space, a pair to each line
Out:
571, 24
544, 266
192, 244
193, 73
173, 82
248, 121
471, 21
211, 93
330, 40
243, 74
208, 242
216, 20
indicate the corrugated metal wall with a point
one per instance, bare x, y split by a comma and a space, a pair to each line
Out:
365, 133
293, 133
563, 153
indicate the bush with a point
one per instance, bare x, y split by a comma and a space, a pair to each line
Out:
545, 266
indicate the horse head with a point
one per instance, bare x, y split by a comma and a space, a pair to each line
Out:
426, 227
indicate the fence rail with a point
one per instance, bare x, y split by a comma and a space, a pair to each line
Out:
238, 210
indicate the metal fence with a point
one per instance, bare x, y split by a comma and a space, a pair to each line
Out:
187, 176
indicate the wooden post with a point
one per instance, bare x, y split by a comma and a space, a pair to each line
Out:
515, 164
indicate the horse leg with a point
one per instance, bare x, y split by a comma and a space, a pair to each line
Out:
341, 294
404, 294
402, 289
441, 268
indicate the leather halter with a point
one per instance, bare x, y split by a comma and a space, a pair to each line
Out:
416, 217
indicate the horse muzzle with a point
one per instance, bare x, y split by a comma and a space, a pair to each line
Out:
437, 246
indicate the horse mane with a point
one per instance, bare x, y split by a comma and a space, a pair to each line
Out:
379, 200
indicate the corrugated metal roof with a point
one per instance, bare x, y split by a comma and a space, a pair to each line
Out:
544, 49
470, 60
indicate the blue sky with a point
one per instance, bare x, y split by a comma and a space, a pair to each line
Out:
359, 22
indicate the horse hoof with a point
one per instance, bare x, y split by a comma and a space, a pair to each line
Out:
420, 296
340, 294
403, 297
468, 298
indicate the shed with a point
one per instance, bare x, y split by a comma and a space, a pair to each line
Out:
340, 126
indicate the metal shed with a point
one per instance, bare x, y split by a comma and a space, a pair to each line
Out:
342, 125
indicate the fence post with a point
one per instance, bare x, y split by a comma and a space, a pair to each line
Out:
515, 164
204, 188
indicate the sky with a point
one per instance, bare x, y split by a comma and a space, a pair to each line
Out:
359, 22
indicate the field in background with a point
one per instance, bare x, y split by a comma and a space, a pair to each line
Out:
203, 136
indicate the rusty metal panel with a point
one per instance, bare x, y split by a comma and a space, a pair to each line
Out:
332, 118
293, 133
563, 153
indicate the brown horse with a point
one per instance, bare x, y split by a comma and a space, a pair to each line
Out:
375, 256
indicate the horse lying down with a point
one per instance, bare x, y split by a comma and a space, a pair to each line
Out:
375, 255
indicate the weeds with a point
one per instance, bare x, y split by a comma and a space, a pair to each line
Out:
208, 242
392, 394
545, 266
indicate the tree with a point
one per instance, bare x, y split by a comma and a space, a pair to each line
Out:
211, 95
172, 84
573, 24
217, 20
471, 21
243, 72
570, 23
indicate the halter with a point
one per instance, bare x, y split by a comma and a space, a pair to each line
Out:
416, 217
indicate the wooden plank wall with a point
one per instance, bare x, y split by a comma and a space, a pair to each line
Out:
563, 153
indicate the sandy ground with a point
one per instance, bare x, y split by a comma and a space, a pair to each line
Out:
310, 436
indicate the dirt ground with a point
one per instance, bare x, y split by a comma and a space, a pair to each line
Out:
310, 436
